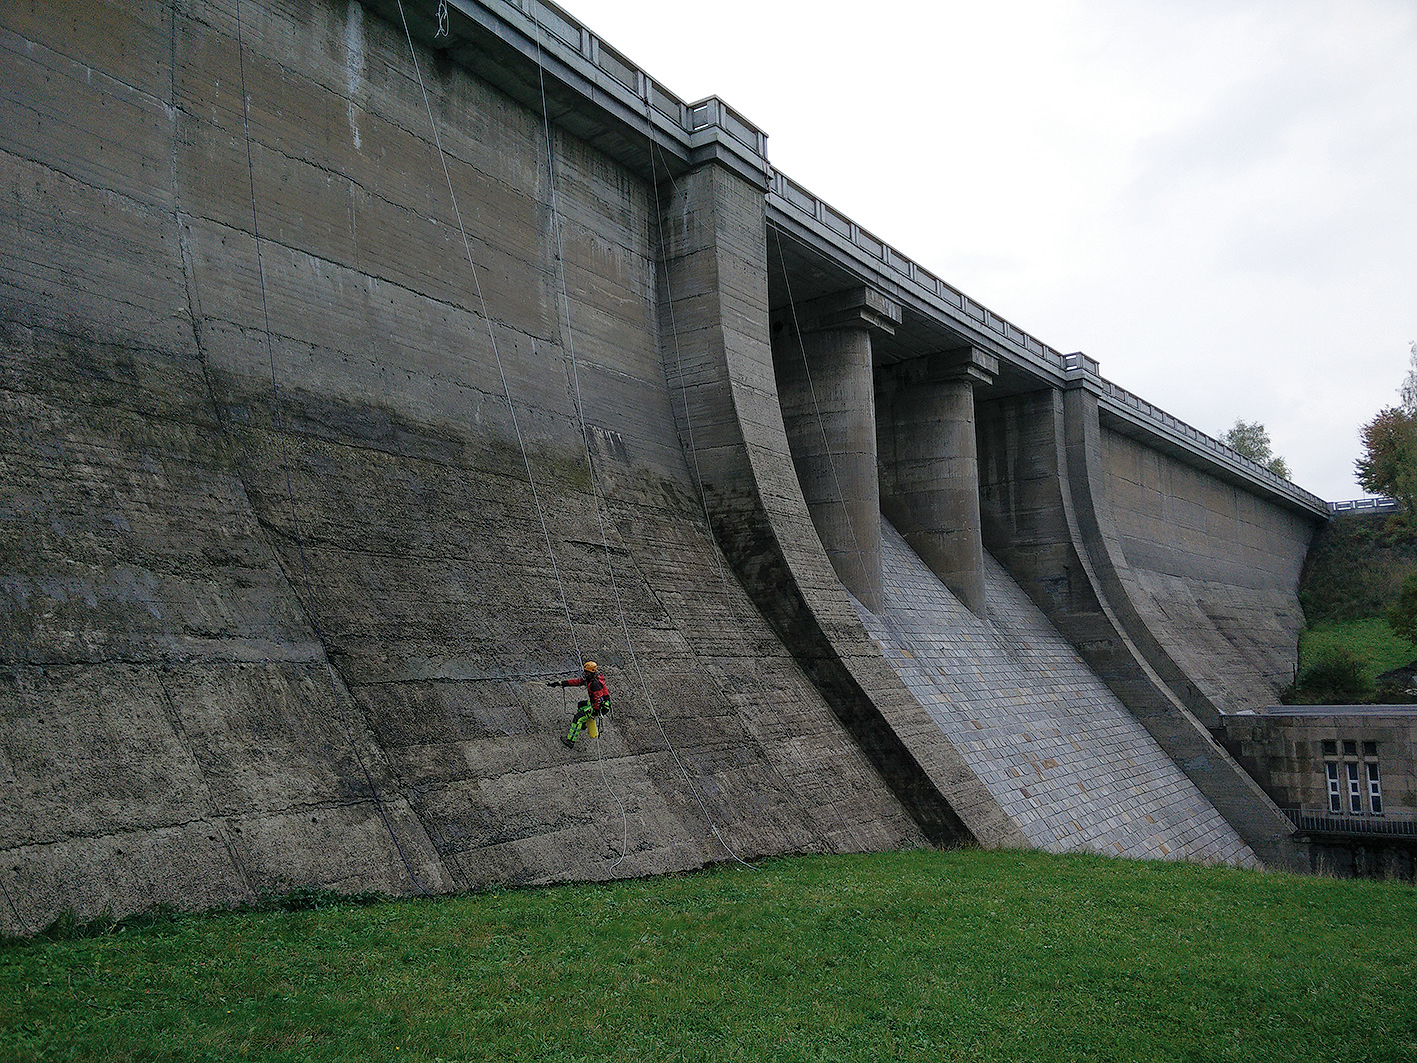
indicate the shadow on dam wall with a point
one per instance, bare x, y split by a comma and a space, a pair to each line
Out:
302, 508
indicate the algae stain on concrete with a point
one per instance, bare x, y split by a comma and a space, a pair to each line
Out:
354, 64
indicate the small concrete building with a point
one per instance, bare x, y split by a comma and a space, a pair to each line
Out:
1345, 775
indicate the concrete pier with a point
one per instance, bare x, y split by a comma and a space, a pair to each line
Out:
822, 360
929, 466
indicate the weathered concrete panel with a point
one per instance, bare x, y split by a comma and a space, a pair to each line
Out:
1051, 528
1056, 748
1218, 569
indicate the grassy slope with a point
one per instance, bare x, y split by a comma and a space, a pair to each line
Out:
910, 956
1372, 639
1352, 576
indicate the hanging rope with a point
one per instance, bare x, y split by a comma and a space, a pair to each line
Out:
492, 337
816, 407
19, 920
624, 814
526, 461
285, 452
690, 444
595, 479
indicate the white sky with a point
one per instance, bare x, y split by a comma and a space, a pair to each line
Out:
1217, 200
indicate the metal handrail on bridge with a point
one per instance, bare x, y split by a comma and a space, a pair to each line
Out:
796, 196
1318, 823
1135, 402
1365, 505
799, 198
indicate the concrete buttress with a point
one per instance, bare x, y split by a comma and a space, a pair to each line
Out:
718, 357
1031, 524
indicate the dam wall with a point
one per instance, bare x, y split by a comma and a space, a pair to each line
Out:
356, 382
1052, 516
1058, 750
291, 549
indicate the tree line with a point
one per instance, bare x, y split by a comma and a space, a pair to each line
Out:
1389, 462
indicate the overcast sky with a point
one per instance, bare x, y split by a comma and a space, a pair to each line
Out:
1217, 200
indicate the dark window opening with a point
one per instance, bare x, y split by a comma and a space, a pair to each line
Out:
1375, 789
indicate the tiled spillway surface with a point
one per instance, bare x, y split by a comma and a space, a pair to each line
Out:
1054, 746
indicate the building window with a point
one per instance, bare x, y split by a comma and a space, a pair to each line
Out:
1370, 749
1333, 792
1355, 791
1330, 747
1350, 748
1375, 789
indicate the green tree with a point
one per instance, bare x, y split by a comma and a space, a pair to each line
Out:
1339, 678
1251, 440
1389, 462
1403, 615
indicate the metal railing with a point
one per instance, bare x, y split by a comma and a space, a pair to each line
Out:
1318, 823
1123, 397
797, 197
906, 269
1365, 505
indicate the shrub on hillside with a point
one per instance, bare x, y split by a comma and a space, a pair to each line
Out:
1403, 613
1338, 678
1355, 567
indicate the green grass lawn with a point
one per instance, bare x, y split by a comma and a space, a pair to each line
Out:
1372, 639
903, 956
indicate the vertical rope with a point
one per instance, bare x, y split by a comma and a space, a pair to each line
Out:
690, 444
597, 493
817, 409
491, 336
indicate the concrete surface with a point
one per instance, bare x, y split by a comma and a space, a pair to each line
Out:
294, 528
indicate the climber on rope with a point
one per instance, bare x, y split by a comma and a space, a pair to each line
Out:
598, 703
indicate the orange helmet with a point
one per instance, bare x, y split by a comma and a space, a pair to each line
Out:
590, 666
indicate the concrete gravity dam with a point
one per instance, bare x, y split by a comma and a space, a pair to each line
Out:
365, 367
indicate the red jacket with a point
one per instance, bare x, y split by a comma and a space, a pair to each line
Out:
595, 688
